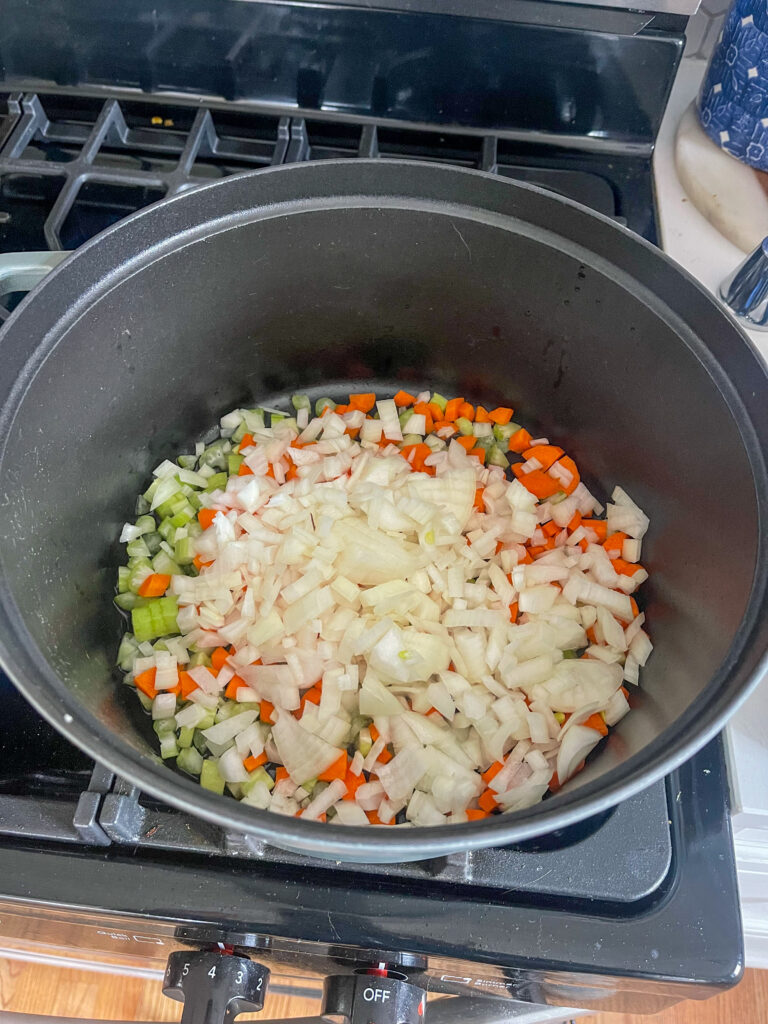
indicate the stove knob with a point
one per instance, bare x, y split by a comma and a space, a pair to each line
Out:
373, 999
215, 987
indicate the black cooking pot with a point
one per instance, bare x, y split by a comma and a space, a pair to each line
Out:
362, 276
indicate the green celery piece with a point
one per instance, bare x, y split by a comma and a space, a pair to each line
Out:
210, 776
215, 455
167, 530
144, 700
259, 775
123, 579
218, 481
200, 658
234, 462
137, 548
239, 433
186, 735
465, 426
323, 403
128, 601
191, 761
440, 400
412, 439
187, 461
152, 540
404, 416
185, 551
300, 402
126, 652
164, 727
142, 505
168, 747
496, 457
146, 524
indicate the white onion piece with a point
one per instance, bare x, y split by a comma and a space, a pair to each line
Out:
576, 744
320, 804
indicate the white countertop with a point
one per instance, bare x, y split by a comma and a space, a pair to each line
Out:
691, 240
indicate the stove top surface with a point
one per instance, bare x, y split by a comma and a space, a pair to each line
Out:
646, 892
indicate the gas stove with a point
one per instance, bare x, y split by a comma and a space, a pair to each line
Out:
630, 911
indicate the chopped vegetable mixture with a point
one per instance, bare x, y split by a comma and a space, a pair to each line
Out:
400, 611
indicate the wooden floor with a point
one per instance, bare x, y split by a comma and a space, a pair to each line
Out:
54, 991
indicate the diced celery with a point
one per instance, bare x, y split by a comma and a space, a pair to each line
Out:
139, 568
300, 402
215, 455
164, 727
168, 746
570, 654
152, 540
277, 417
199, 741
412, 439
177, 503
195, 503
146, 524
496, 457
150, 491
465, 426
155, 618
234, 462
486, 443
434, 442
126, 652
137, 548
142, 505
218, 481
123, 579
210, 776
186, 735
324, 403
194, 529
240, 431
128, 601
186, 514
185, 550
404, 416
162, 562
259, 775
206, 723
440, 400
199, 658
503, 431
309, 785
253, 419
187, 461
144, 700
190, 761
167, 530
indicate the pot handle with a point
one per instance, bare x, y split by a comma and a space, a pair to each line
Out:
21, 271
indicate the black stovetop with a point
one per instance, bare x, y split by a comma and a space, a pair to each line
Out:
639, 905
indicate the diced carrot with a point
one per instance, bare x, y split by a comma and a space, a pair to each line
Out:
513, 611
385, 756
341, 409
475, 814
421, 452
441, 425
551, 529
452, 408
626, 568
490, 773
478, 453
499, 546
615, 542
145, 681
247, 442
337, 770
281, 772
364, 402
546, 454
353, 783
633, 605
583, 545
488, 801
218, 657
292, 472
155, 585
311, 696
539, 484
206, 516
199, 563
403, 399
435, 411
247, 471
467, 411
596, 722
554, 782
502, 415
590, 631
265, 711
478, 503
187, 683
481, 415
625, 691
520, 441
252, 763
536, 549
568, 464
376, 820
374, 732
467, 443
599, 526
575, 522
234, 684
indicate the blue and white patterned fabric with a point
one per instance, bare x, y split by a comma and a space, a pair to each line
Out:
733, 104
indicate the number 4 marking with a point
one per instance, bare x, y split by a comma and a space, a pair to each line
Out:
212, 972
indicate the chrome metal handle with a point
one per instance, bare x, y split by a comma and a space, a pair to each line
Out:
745, 291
